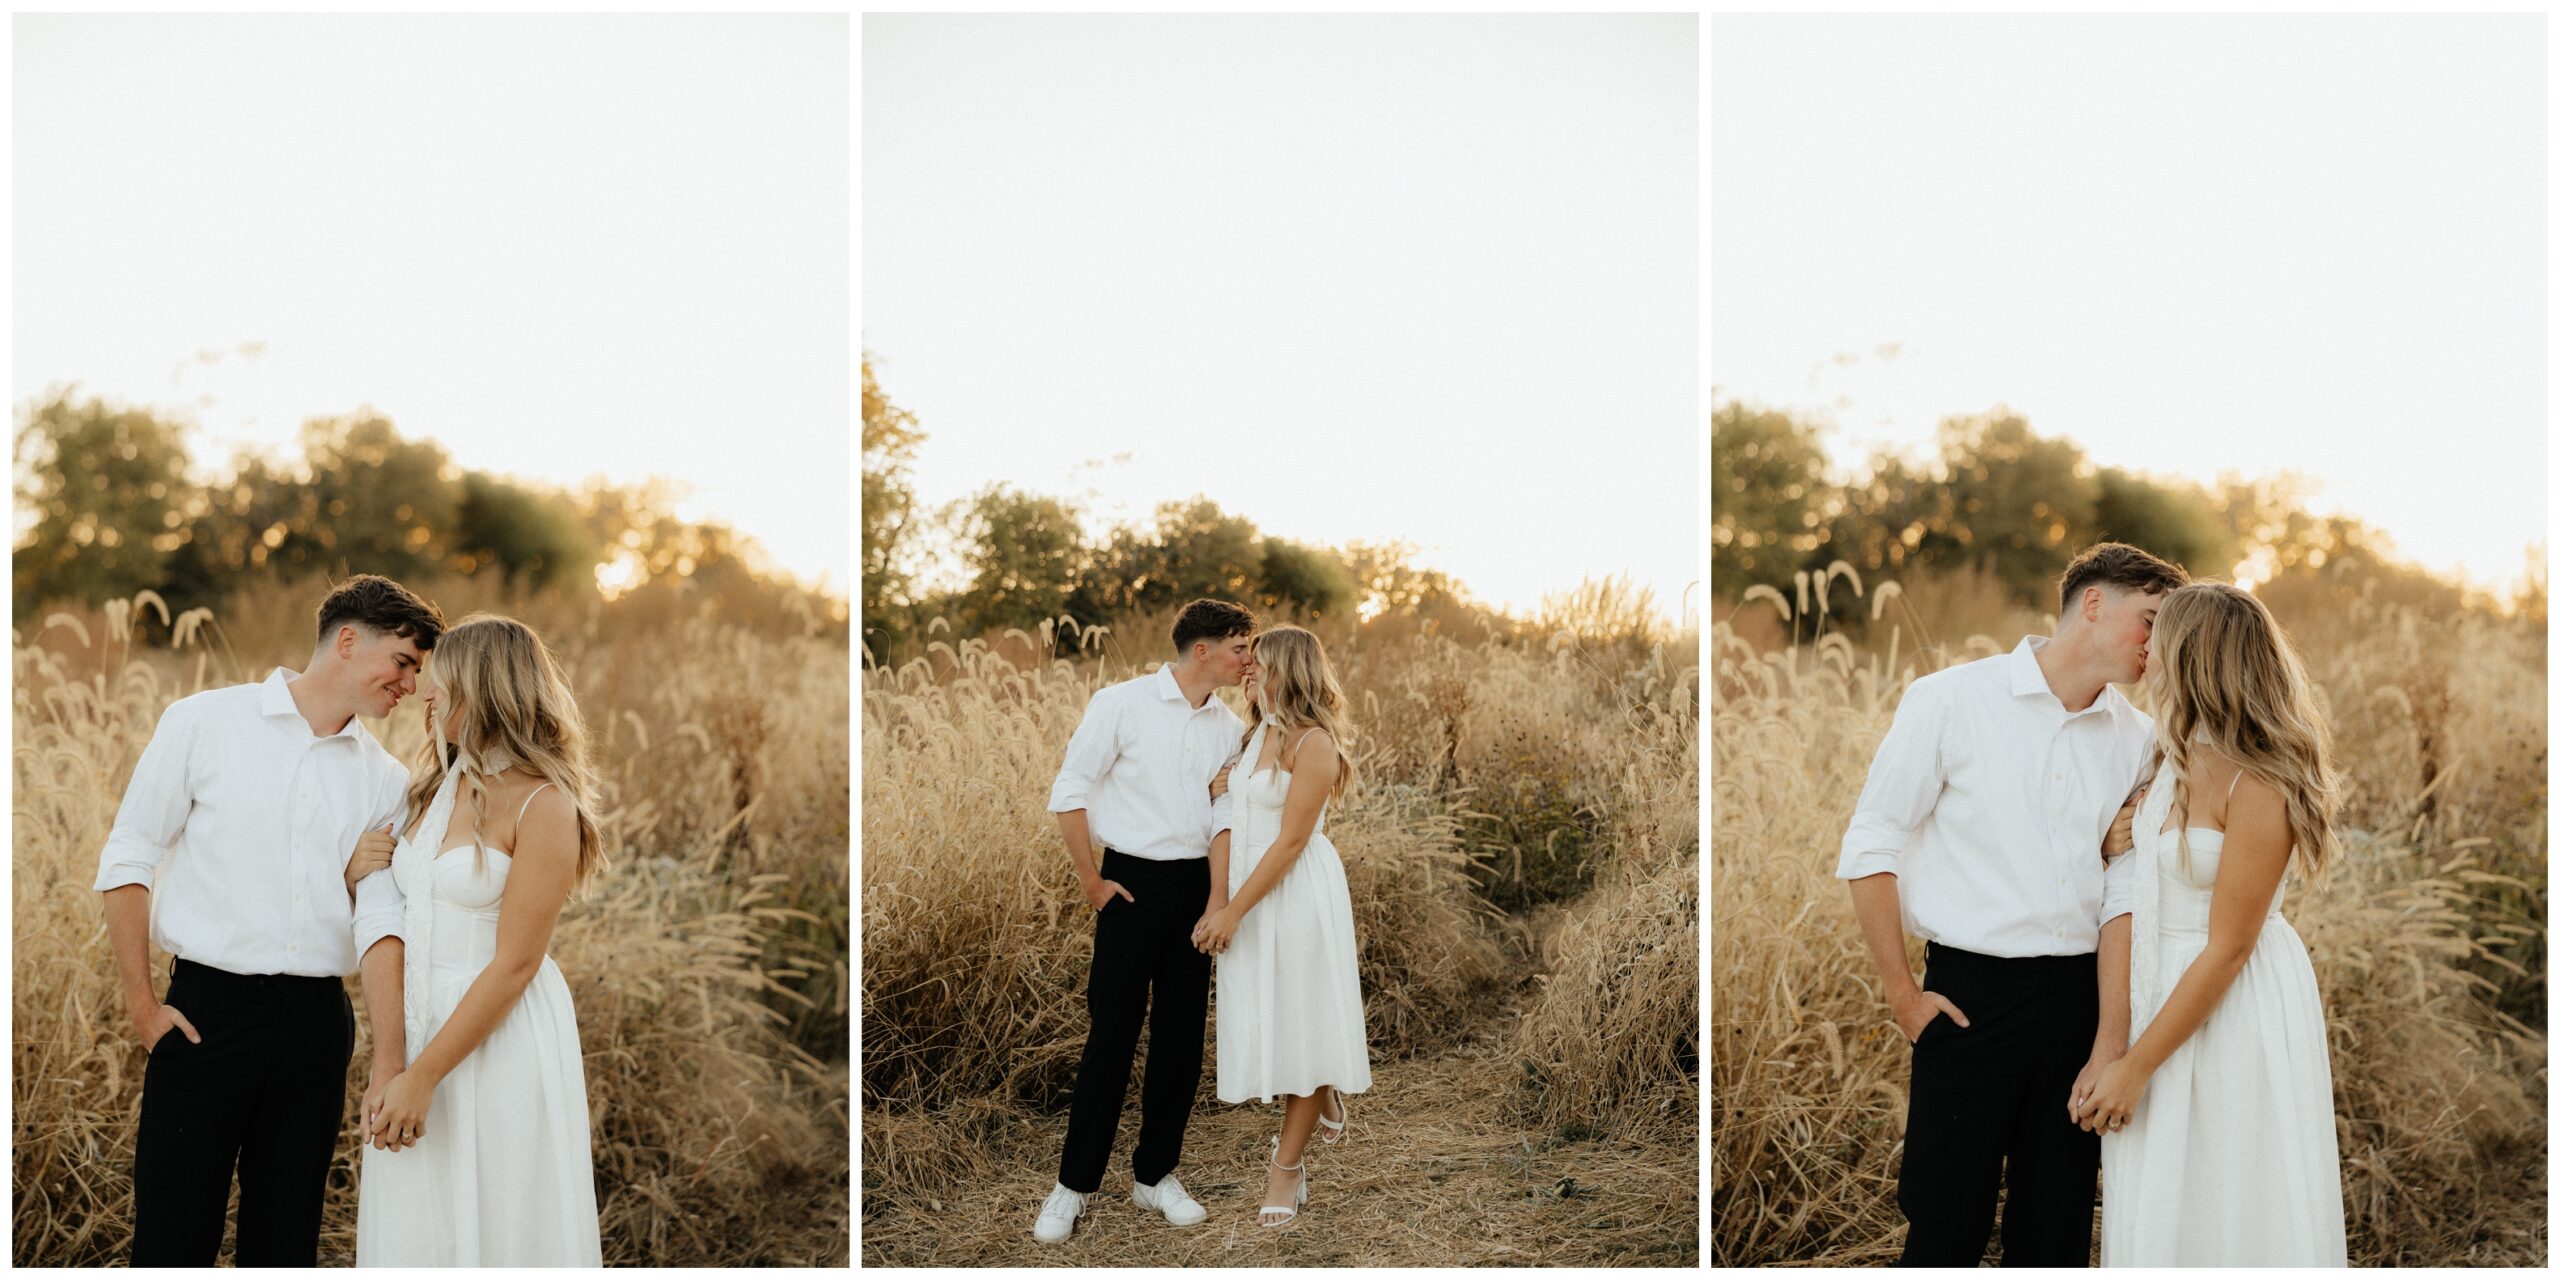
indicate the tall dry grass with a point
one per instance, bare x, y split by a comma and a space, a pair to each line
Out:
707, 988
1549, 772
2416, 936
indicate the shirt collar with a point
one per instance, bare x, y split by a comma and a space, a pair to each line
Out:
2026, 679
1170, 690
274, 699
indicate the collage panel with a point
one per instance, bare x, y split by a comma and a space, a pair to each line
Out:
431, 640
1280, 670
2128, 517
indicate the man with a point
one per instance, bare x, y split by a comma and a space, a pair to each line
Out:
1136, 781
261, 790
1979, 830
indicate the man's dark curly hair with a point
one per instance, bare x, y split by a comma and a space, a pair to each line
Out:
2119, 565
370, 600
1210, 620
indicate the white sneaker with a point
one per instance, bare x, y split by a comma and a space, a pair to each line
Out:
1058, 1215
1168, 1197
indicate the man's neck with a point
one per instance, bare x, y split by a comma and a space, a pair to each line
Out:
1196, 682
2067, 672
318, 709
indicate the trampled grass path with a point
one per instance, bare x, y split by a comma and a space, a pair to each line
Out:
1436, 1173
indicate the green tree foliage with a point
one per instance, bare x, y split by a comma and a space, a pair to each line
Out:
112, 509
373, 503
1767, 493
1025, 555
1310, 580
2175, 521
890, 437
2004, 501
531, 540
2018, 498
108, 490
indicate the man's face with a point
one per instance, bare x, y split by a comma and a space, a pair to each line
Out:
385, 669
2124, 631
1229, 659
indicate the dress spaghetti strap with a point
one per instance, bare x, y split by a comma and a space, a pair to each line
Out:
528, 804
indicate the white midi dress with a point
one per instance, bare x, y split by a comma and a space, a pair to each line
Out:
504, 1174
1289, 1013
2231, 1157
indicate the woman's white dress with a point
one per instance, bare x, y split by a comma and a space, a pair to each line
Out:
1289, 1016
504, 1174
2231, 1157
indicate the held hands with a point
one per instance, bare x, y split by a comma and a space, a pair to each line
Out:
158, 1022
2120, 832
1912, 1015
396, 1117
1099, 891
373, 853
1216, 929
2109, 1100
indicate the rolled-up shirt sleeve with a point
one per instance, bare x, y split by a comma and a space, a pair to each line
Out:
153, 812
2119, 895
1902, 786
2118, 898
1090, 754
382, 911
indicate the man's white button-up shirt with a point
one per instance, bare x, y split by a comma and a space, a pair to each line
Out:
1988, 801
240, 821
1139, 765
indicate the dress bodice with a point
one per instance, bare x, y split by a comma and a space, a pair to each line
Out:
468, 889
2186, 883
1262, 795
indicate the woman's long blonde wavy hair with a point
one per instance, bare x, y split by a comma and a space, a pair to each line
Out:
1298, 690
506, 697
2230, 679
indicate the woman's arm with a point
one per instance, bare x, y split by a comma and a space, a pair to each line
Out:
2256, 843
1309, 784
1218, 851
538, 883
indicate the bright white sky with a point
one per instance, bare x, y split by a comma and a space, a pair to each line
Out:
1355, 278
559, 246
2190, 244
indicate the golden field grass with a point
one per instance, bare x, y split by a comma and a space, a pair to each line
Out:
707, 964
2428, 938
1536, 1067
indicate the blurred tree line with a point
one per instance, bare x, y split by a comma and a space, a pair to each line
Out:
1025, 559
108, 504
2002, 501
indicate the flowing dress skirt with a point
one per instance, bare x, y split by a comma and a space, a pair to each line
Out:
2231, 1158
503, 1175
1289, 1016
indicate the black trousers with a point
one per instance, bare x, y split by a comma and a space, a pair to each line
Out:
265, 1093
1139, 945
2000, 1090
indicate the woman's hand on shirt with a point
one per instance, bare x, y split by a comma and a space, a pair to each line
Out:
372, 853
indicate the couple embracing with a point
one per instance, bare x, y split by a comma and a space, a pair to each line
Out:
1204, 864
2122, 992
255, 844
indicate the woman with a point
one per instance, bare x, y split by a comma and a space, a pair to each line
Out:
1289, 1019
2218, 1131
478, 1152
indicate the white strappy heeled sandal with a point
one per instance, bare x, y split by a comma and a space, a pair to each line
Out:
1336, 1132
1299, 1202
